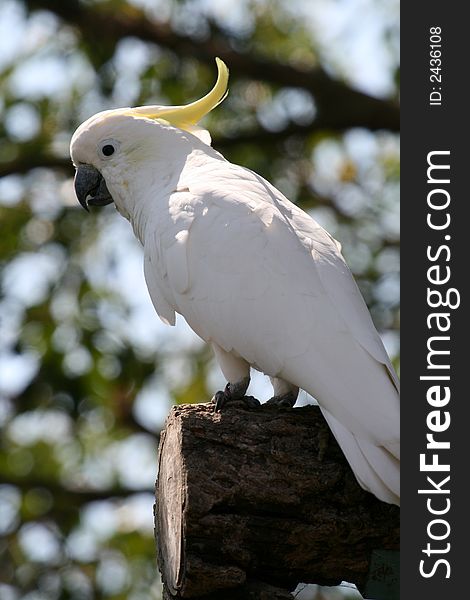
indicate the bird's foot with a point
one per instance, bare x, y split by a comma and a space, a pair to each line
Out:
223, 398
284, 401
234, 392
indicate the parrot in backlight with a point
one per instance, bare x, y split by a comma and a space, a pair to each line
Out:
253, 275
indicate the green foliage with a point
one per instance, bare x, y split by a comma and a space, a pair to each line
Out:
87, 373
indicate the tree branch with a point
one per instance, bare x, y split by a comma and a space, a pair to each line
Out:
340, 106
65, 495
261, 496
26, 162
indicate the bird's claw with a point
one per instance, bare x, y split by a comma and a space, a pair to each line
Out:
286, 401
251, 402
224, 397
221, 399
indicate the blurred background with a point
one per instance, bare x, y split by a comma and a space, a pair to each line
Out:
88, 373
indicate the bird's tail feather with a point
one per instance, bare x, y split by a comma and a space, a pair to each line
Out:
377, 469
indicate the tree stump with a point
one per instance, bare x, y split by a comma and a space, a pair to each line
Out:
251, 502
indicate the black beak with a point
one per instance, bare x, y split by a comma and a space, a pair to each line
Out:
90, 187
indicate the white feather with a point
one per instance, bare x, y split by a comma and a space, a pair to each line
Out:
257, 277
267, 282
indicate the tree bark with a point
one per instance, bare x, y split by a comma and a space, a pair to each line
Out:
252, 502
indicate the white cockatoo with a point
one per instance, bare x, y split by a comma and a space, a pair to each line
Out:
253, 275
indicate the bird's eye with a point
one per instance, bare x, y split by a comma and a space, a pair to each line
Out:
108, 147
108, 150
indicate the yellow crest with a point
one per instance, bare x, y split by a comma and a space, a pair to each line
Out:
187, 116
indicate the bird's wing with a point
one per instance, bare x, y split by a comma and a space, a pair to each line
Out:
155, 277
252, 272
343, 292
